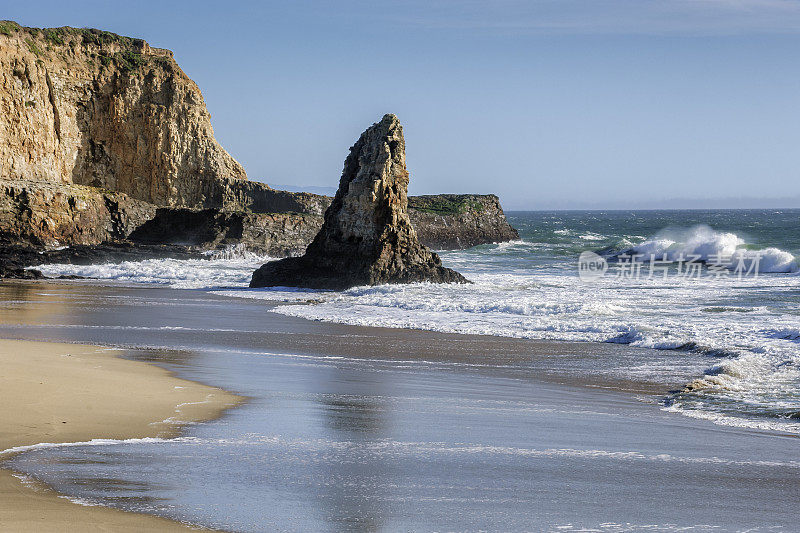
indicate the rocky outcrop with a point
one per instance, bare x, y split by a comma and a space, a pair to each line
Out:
8, 270
50, 215
16, 258
442, 222
272, 234
88, 107
98, 131
257, 197
367, 237
279, 234
94, 108
458, 221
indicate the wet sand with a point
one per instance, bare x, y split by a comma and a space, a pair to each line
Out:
502, 434
58, 393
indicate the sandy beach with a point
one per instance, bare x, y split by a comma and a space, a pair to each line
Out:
58, 393
353, 428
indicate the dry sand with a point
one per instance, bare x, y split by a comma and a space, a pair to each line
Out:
72, 393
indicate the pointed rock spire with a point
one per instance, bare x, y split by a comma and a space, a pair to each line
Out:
367, 237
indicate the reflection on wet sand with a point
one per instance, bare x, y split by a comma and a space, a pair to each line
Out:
29, 303
354, 411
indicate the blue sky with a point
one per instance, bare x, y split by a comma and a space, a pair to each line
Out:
548, 103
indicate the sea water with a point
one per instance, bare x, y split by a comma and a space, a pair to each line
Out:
748, 326
367, 443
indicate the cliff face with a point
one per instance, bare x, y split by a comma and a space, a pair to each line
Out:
259, 198
272, 234
46, 214
442, 222
99, 131
456, 221
94, 108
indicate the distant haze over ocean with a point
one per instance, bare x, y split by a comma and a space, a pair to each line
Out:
792, 202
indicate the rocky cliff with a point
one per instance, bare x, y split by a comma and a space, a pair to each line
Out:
457, 221
272, 234
93, 108
101, 134
442, 222
42, 213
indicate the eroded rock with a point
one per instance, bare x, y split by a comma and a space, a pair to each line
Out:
367, 237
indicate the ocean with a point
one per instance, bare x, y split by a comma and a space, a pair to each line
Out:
370, 441
746, 329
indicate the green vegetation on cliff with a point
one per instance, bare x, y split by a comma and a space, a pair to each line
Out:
52, 35
33, 47
115, 50
445, 204
7, 27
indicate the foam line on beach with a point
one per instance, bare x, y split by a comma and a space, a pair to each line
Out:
391, 447
94, 442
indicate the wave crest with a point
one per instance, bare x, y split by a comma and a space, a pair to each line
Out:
704, 244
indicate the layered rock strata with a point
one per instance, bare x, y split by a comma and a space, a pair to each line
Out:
458, 221
41, 213
272, 234
94, 108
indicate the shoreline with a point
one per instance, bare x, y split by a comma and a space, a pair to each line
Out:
610, 418
28, 505
301, 335
59, 393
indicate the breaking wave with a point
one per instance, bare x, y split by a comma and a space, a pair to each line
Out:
704, 244
230, 268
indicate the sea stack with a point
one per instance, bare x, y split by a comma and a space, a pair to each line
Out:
367, 237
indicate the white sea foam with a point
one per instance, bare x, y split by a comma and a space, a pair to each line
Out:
627, 527
27, 481
390, 447
663, 316
705, 244
83, 502
734, 421
234, 271
94, 442
277, 294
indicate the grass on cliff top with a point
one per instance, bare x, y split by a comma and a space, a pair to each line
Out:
445, 205
7, 27
60, 36
128, 58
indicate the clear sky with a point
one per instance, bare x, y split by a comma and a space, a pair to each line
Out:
548, 103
